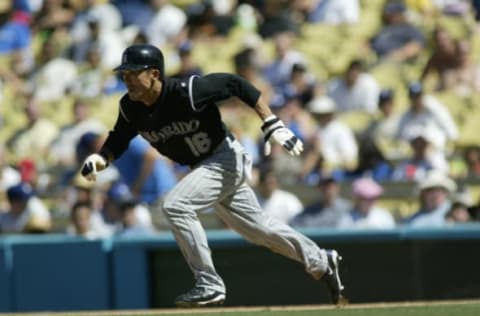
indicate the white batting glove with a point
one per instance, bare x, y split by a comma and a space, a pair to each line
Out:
274, 130
92, 165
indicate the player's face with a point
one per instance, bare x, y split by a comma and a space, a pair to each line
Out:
139, 83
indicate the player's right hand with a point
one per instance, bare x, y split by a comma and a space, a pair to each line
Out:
92, 165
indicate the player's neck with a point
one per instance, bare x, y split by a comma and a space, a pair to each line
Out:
153, 93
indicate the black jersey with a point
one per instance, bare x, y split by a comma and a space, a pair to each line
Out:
184, 124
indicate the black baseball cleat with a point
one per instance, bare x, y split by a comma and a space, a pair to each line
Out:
200, 297
332, 279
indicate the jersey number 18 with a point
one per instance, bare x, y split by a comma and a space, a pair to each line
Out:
199, 143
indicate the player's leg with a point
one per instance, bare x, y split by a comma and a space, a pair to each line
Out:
200, 189
242, 212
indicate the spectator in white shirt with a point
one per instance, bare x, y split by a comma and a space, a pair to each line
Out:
279, 203
427, 112
334, 142
357, 90
365, 212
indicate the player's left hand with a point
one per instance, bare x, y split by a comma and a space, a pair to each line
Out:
275, 130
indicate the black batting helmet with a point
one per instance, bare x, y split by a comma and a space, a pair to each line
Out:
142, 56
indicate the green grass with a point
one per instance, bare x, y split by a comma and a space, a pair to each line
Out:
461, 308
440, 308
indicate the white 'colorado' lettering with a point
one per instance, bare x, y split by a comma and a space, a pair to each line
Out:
167, 131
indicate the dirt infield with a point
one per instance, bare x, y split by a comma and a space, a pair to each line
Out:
226, 310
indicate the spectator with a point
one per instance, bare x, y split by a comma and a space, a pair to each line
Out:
278, 72
62, 150
117, 197
424, 158
26, 214
329, 11
137, 13
81, 220
397, 40
357, 90
276, 18
210, 18
130, 225
327, 210
248, 66
188, 67
464, 78
99, 34
103, 12
458, 214
471, 157
53, 16
371, 163
279, 203
44, 81
15, 42
9, 175
167, 24
435, 191
365, 212
25, 141
334, 142
442, 58
383, 129
93, 80
427, 112
301, 87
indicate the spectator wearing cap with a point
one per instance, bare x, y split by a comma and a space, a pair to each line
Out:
327, 209
397, 40
26, 213
435, 193
356, 90
383, 128
333, 144
426, 112
365, 212
423, 158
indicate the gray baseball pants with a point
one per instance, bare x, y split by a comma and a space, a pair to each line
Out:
220, 181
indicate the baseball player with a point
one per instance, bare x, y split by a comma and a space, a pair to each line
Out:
180, 118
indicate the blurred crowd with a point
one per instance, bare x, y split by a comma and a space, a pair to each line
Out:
380, 92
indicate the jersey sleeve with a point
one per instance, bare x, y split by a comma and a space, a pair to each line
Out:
215, 87
118, 138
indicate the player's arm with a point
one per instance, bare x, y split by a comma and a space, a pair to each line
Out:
116, 143
213, 88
